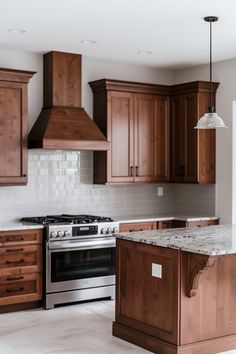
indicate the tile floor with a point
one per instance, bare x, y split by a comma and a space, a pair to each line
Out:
81, 328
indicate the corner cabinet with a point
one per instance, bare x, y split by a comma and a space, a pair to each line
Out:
192, 151
135, 119
13, 126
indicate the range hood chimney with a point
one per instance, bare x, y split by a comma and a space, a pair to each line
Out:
62, 123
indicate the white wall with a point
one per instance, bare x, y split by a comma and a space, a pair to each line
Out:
223, 72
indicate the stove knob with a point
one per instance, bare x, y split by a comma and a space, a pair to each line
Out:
66, 233
109, 230
59, 234
53, 234
103, 230
115, 230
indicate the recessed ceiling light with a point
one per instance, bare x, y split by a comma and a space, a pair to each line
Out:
17, 31
88, 41
144, 52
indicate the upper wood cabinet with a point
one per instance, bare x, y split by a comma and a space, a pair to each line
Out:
192, 150
135, 119
13, 125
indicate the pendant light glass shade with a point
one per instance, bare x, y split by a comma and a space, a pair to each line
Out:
210, 120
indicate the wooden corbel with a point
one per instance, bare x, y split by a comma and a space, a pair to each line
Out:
197, 264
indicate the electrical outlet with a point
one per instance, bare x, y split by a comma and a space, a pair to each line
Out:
160, 191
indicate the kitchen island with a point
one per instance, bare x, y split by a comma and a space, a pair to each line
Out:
176, 290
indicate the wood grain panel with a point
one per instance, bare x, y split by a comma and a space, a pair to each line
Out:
62, 79
26, 289
162, 148
206, 144
211, 313
120, 133
145, 137
20, 259
146, 302
138, 226
20, 237
13, 126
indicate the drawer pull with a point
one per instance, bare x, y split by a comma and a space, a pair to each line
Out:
15, 278
14, 262
15, 250
15, 238
15, 290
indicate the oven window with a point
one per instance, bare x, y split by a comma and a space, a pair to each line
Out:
71, 265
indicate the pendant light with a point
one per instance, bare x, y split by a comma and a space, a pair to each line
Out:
210, 120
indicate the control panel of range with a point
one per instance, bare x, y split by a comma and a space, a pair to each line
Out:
70, 232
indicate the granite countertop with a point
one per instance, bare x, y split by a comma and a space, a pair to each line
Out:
210, 240
17, 225
145, 218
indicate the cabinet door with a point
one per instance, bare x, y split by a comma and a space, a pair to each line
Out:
151, 138
13, 133
206, 144
120, 134
184, 138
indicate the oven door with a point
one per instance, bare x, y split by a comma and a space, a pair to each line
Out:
73, 265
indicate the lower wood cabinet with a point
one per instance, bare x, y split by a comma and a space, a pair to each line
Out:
199, 223
20, 268
165, 224
138, 226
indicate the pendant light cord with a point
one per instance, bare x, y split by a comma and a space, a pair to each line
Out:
211, 103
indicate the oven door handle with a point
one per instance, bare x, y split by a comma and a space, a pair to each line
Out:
83, 245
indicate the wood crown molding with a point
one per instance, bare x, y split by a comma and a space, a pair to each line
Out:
138, 87
15, 75
129, 86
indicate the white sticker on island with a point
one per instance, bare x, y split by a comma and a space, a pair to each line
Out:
156, 270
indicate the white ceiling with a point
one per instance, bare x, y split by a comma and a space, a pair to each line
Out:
174, 31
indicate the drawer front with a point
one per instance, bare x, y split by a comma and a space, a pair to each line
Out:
17, 289
202, 223
165, 224
21, 259
24, 237
131, 227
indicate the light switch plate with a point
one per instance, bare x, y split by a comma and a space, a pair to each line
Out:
156, 270
160, 191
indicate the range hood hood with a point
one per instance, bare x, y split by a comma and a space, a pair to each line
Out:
63, 124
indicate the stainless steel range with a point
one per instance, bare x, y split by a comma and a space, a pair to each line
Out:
79, 258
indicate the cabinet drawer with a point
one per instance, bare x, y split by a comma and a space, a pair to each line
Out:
131, 227
18, 289
165, 224
202, 223
20, 259
25, 237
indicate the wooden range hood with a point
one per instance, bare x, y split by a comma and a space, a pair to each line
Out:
62, 123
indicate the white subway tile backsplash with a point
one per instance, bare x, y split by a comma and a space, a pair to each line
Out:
61, 181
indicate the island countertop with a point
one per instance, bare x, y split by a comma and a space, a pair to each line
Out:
211, 240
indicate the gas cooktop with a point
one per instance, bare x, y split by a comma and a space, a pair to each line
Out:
66, 219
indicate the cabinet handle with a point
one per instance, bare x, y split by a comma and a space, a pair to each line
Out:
14, 262
136, 169
14, 290
131, 230
131, 171
15, 278
15, 250
199, 225
24, 175
15, 238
